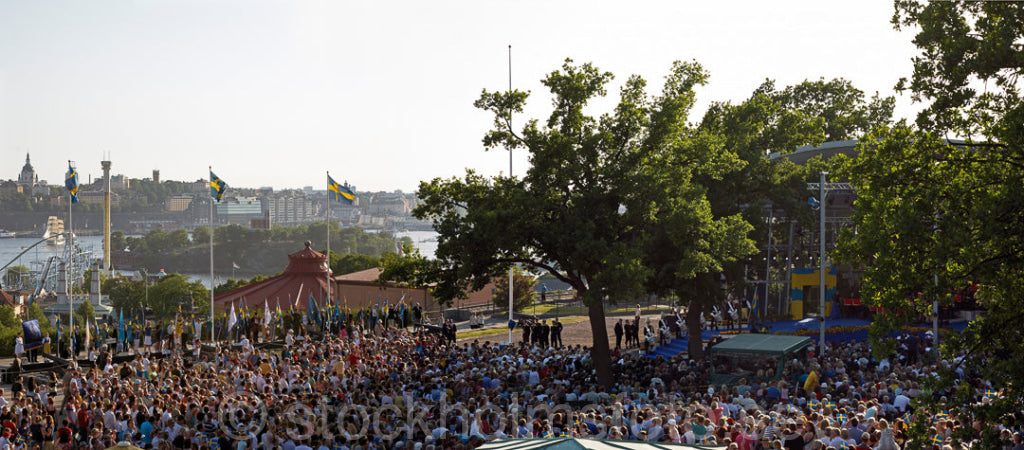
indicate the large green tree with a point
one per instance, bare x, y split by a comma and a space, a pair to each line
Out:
585, 206
933, 218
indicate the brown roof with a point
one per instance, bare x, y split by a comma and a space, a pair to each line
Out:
6, 298
305, 276
362, 275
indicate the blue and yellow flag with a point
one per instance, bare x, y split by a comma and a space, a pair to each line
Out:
313, 311
71, 182
217, 186
280, 317
337, 192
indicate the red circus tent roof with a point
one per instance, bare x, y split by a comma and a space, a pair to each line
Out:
305, 275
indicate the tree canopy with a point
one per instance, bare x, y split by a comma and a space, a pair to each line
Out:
587, 208
934, 217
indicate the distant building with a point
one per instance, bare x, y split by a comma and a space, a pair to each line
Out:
156, 176
96, 197
238, 210
119, 183
199, 186
290, 210
28, 178
387, 203
178, 203
10, 187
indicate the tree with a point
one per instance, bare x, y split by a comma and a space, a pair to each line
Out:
85, 311
173, 290
935, 217
87, 275
7, 317
14, 276
118, 241
523, 294
348, 263
837, 107
201, 235
695, 247
969, 67
125, 294
36, 312
232, 284
583, 207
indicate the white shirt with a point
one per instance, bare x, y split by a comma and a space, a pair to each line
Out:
901, 402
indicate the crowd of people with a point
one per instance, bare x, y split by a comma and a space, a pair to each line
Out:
401, 387
539, 333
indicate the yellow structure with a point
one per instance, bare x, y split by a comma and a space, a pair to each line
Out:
808, 281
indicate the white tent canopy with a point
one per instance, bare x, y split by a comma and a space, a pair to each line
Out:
568, 443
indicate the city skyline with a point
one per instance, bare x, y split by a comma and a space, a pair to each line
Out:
277, 93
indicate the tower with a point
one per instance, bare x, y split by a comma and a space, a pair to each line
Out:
106, 215
27, 179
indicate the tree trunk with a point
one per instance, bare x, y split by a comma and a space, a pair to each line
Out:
695, 347
600, 352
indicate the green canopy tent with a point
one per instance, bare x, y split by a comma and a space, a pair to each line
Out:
742, 355
569, 443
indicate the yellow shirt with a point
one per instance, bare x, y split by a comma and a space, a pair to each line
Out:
812, 381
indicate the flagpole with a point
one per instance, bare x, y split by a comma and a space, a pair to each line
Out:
511, 274
328, 237
212, 336
69, 245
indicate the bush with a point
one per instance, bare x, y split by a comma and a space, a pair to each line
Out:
7, 335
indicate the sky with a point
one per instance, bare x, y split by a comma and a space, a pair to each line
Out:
276, 93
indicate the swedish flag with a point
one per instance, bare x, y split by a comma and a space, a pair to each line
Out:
217, 186
337, 192
71, 182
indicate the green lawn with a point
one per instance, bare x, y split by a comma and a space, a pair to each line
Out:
503, 330
549, 309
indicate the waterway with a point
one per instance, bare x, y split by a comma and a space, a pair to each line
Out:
425, 241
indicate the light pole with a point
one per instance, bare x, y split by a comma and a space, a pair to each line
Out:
821, 264
823, 189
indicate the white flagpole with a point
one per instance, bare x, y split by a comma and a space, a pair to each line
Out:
328, 237
212, 332
511, 274
69, 245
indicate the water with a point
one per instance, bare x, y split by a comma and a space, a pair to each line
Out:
425, 241
10, 248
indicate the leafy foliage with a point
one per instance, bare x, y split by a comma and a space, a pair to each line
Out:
587, 207
232, 284
13, 276
935, 218
969, 67
342, 264
523, 294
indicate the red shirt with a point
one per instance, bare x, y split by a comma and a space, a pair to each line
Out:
83, 418
64, 434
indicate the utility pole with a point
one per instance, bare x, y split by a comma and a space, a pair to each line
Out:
823, 188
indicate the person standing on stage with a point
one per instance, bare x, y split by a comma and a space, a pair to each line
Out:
556, 333
618, 334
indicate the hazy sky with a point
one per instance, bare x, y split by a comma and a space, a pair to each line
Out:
273, 93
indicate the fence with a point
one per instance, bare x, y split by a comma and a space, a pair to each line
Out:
557, 304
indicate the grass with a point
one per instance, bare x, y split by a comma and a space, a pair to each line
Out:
549, 309
502, 330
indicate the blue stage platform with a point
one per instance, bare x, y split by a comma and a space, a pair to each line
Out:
678, 346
